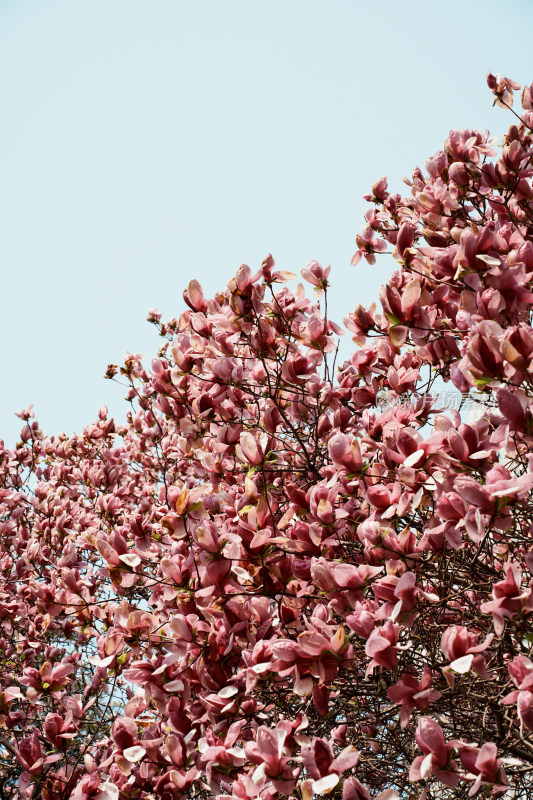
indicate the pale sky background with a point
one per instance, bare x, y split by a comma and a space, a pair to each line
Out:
146, 143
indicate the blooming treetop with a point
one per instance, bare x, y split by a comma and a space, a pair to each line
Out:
264, 586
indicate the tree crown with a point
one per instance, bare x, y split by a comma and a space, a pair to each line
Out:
280, 578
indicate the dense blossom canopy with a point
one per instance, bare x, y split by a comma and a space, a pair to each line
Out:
285, 579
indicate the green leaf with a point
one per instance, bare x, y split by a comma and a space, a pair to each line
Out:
392, 319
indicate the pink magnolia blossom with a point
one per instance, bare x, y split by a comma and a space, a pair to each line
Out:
267, 752
437, 760
411, 694
486, 766
316, 275
509, 598
381, 646
461, 648
521, 673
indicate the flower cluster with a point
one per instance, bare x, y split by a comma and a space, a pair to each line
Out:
264, 585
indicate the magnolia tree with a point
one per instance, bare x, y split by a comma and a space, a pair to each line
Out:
270, 584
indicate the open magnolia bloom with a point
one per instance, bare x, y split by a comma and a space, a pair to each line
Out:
266, 584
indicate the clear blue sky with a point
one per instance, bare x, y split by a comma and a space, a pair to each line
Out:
146, 143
